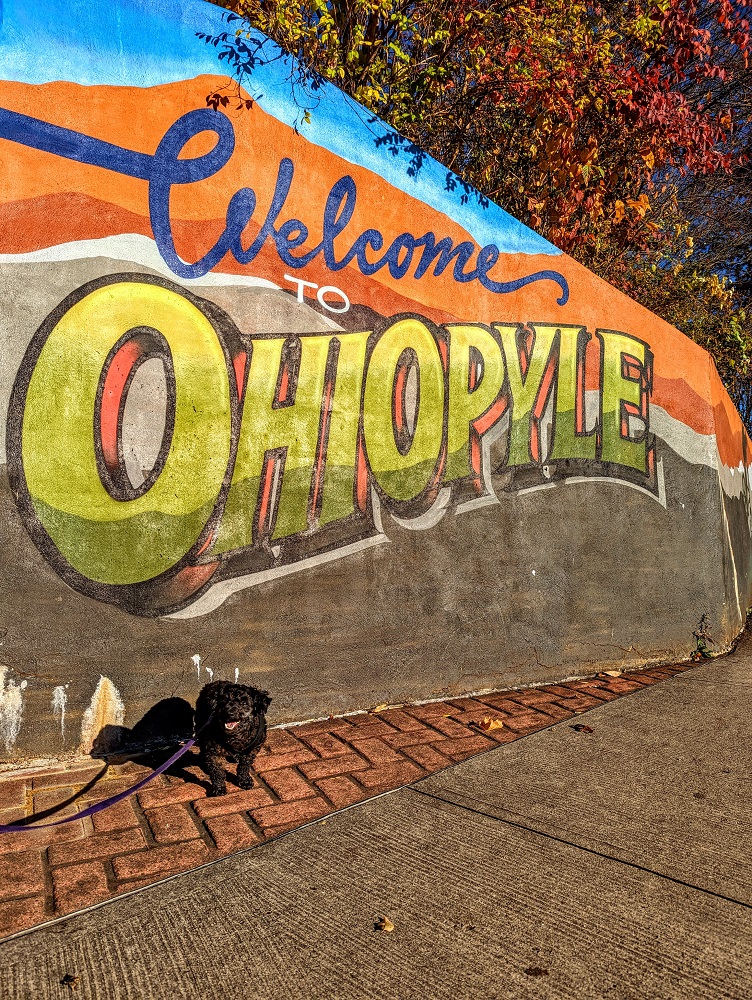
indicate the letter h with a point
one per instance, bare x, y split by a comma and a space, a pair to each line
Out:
270, 493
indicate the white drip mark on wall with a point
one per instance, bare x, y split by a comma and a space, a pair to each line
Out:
11, 708
197, 664
210, 673
237, 675
59, 701
733, 562
106, 709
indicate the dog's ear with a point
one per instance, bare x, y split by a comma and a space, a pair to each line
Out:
263, 700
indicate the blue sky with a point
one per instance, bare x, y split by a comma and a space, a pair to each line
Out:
143, 43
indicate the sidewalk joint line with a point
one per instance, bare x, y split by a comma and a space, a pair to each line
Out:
580, 847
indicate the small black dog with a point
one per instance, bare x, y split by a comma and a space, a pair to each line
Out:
237, 729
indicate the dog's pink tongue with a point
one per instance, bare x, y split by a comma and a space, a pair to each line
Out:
230, 725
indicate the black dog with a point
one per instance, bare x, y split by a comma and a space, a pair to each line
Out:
236, 728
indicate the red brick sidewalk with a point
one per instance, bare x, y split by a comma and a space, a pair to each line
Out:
302, 773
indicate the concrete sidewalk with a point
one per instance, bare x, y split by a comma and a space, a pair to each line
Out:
615, 863
303, 773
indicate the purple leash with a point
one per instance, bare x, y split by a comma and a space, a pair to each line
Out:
106, 803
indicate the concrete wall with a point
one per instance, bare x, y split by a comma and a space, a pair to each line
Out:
297, 407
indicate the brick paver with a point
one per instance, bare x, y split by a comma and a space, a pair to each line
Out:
233, 802
99, 845
13, 793
302, 773
76, 886
231, 833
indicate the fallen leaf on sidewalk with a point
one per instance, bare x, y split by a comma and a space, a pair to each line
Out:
612, 673
70, 981
384, 707
488, 724
384, 924
582, 729
534, 970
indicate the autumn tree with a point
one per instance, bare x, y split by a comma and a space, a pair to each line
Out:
611, 128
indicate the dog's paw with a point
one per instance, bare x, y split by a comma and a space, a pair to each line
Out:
245, 783
214, 792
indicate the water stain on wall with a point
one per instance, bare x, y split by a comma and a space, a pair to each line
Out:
59, 701
11, 708
106, 709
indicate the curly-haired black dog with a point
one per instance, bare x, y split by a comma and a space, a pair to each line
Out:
236, 728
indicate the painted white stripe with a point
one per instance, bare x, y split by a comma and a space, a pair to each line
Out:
698, 449
133, 247
219, 593
695, 448
430, 517
660, 498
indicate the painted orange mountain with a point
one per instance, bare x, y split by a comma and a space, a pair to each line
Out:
47, 200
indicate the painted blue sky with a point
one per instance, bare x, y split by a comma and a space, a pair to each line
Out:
143, 43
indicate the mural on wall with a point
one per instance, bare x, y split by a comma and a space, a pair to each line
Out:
276, 448
235, 350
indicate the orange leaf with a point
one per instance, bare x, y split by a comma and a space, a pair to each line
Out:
488, 724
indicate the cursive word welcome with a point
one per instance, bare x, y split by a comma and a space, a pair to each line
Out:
406, 254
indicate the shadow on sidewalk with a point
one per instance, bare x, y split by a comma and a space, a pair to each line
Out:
152, 740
